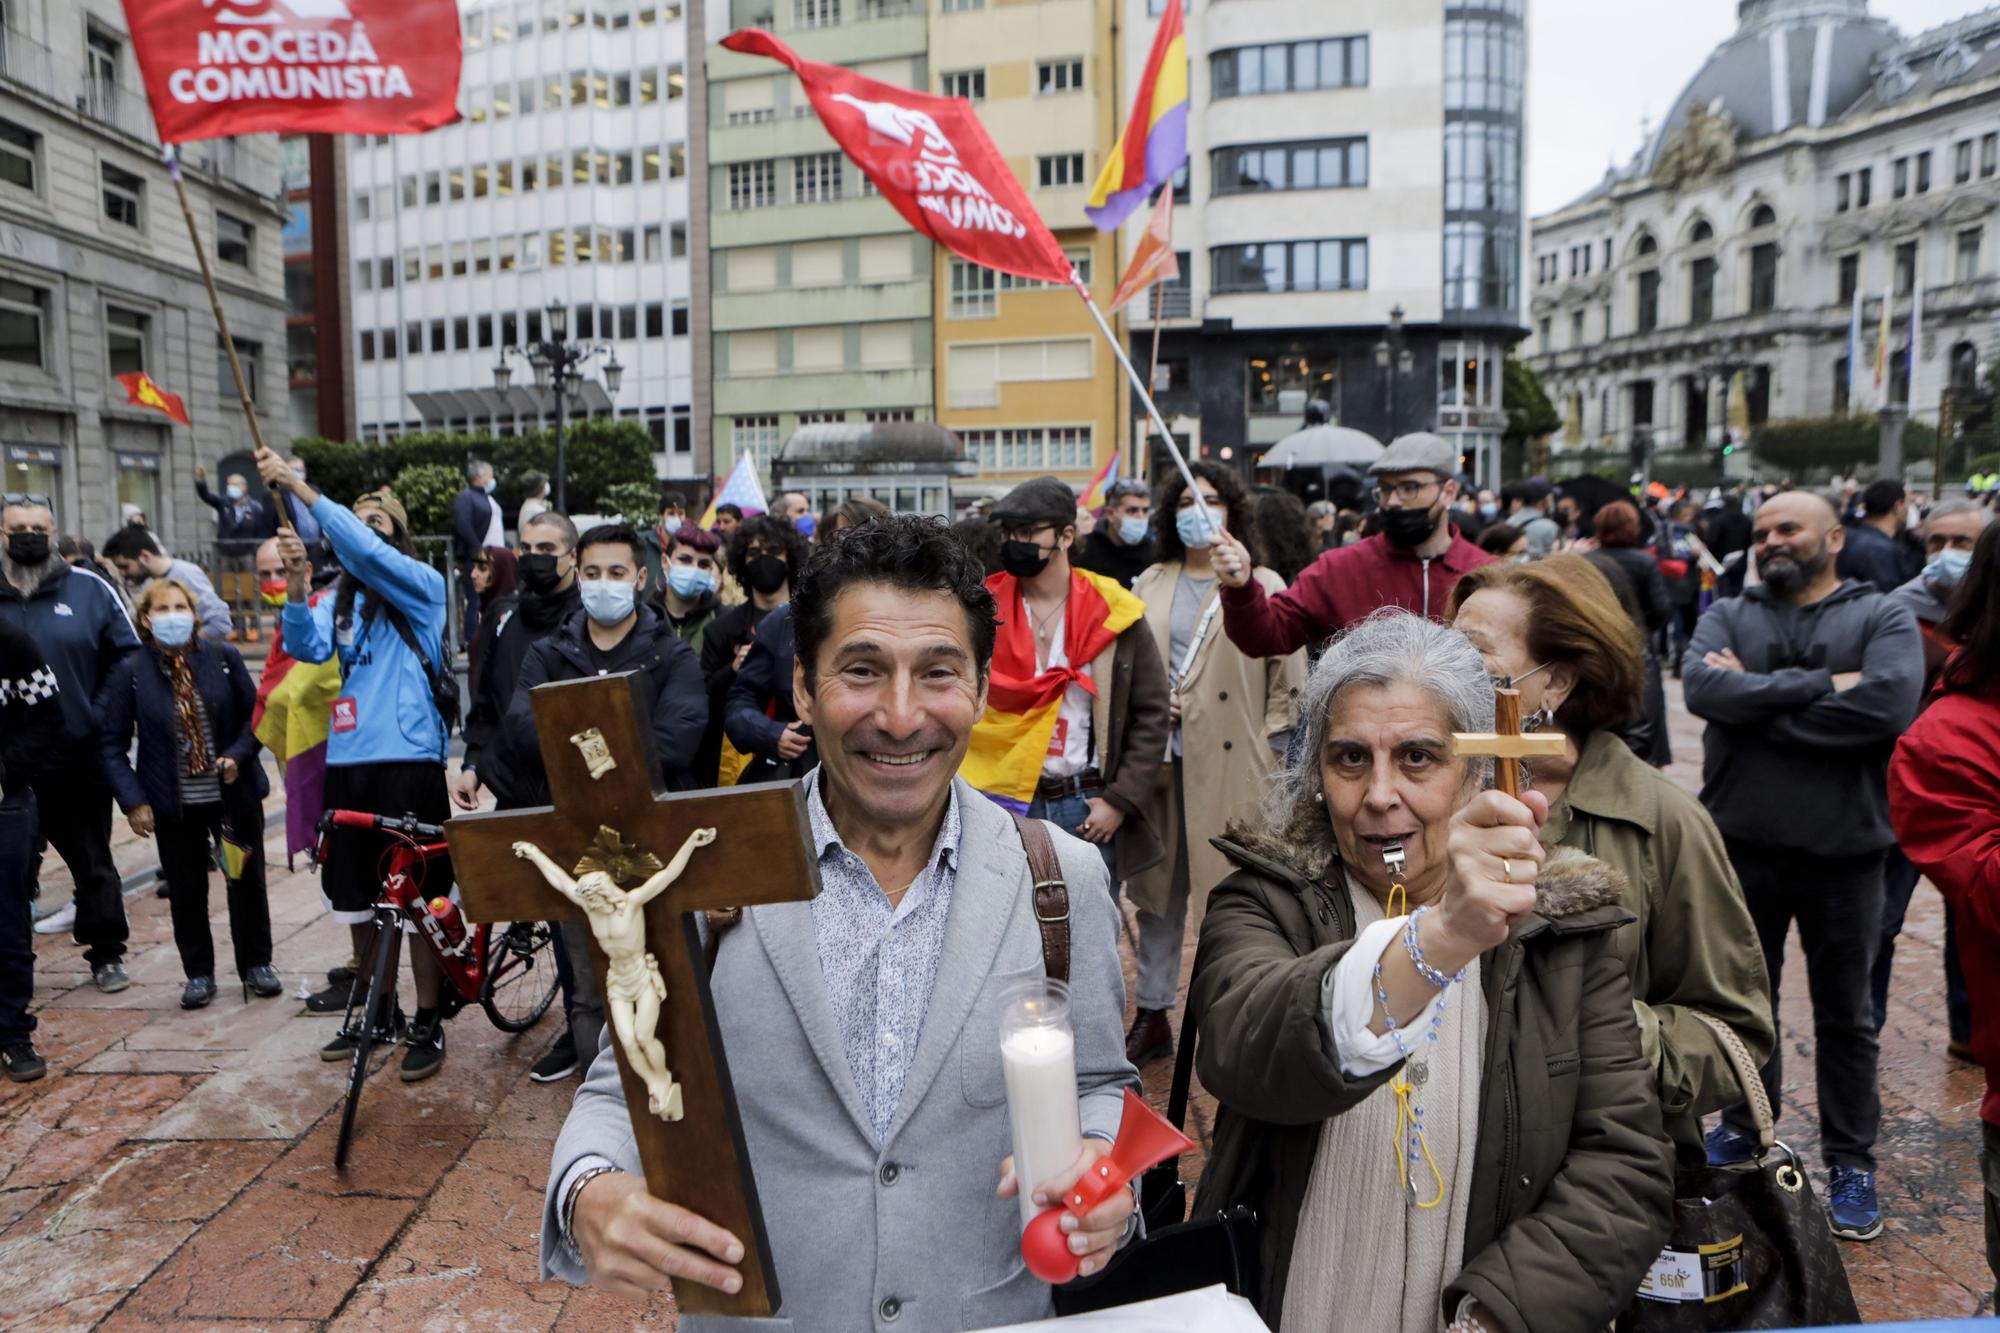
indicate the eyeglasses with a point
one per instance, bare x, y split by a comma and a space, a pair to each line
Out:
1409, 492
27, 498
1511, 682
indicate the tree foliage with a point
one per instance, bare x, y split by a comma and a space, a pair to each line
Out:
1530, 414
1809, 447
425, 491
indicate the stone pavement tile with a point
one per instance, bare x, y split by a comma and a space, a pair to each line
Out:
274, 1253
61, 1136
68, 1038
1893, 1280
274, 1090
121, 1322
16, 1204
160, 995
148, 1182
71, 1280
70, 1317
229, 1023
590, 1311
483, 1067
469, 1258
533, 1111
121, 1061
390, 1157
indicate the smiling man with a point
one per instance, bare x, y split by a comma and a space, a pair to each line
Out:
873, 1103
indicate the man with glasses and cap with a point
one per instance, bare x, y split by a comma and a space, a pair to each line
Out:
81, 627
1412, 563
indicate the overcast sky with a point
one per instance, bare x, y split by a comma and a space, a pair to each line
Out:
1598, 67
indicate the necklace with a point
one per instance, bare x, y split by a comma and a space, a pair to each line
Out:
1044, 627
1412, 1148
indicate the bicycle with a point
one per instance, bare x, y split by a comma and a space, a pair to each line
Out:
509, 970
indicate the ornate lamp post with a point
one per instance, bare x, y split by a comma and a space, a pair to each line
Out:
558, 365
1393, 359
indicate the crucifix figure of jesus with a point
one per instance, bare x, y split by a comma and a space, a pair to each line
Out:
633, 986
610, 825
1505, 745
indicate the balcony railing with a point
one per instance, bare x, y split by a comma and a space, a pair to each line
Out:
29, 64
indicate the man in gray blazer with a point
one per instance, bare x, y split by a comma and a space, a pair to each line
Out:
863, 1025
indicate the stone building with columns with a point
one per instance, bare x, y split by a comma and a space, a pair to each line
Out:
1817, 155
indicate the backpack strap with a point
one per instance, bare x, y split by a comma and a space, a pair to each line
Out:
1051, 895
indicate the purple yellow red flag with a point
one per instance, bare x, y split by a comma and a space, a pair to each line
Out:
140, 391
1100, 485
1154, 142
1154, 260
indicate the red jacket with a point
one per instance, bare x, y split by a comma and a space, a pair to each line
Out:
1342, 587
1944, 801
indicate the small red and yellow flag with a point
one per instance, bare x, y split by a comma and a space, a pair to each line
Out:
140, 391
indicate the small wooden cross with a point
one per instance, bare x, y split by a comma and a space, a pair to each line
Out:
598, 751
1505, 745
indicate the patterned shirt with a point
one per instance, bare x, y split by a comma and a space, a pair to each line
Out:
880, 962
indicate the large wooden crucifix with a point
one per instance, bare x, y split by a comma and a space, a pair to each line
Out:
637, 864
1505, 745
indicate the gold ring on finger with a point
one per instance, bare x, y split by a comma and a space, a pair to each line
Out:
1506, 870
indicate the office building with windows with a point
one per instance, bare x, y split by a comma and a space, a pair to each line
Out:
98, 278
1023, 375
820, 294
565, 183
1351, 229
1818, 155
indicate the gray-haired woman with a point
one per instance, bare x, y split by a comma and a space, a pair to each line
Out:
1422, 1040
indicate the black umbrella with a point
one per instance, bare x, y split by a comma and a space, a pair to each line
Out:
1591, 492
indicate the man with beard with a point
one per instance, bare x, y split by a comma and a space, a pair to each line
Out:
1806, 682
1413, 563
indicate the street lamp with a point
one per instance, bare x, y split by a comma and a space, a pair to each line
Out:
1393, 359
558, 366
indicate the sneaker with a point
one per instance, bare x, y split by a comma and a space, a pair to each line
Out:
59, 922
560, 1062
333, 1000
110, 977
23, 1063
1727, 1146
263, 980
426, 1052
198, 992
1850, 1203
1151, 1037
342, 1045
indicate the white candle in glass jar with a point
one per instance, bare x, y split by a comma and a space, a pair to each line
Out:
1039, 1064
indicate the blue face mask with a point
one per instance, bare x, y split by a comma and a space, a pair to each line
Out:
233, 492
171, 629
489, 485
607, 602
1195, 532
1132, 531
688, 582
670, 526
1947, 568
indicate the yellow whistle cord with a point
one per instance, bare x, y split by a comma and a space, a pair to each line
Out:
1409, 1116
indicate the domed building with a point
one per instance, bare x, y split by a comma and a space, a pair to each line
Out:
1818, 164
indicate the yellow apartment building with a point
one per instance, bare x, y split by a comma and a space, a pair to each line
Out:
1023, 376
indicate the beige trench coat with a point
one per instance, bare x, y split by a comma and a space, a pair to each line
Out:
1231, 707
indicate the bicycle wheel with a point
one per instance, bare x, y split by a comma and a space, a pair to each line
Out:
376, 1015
520, 975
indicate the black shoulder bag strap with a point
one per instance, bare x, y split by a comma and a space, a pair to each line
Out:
444, 690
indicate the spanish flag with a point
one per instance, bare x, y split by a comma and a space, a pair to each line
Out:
1154, 143
140, 391
1010, 744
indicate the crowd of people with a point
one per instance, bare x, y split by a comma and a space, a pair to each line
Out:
1237, 709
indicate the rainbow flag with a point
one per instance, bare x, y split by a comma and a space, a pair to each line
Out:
739, 489
1011, 742
291, 719
1094, 498
1154, 142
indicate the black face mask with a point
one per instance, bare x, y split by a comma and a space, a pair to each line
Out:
1024, 560
539, 574
766, 573
1408, 528
28, 548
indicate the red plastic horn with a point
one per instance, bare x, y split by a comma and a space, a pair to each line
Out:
1145, 1139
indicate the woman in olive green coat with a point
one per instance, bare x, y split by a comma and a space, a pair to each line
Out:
1555, 628
1496, 1018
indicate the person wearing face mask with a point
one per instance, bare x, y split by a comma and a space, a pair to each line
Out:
1411, 564
137, 556
81, 627
1232, 718
672, 519
242, 523
764, 553
1554, 630
1121, 546
1950, 532
197, 781
1806, 681
476, 524
385, 625
1078, 716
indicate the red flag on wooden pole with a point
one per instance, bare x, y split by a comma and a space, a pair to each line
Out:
931, 159
313, 66
1154, 260
140, 391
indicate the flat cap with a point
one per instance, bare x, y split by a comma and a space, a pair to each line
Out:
1043, 500
1537, 489
386, 501
1419, 452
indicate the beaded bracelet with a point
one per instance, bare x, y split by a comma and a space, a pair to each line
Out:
1416, 952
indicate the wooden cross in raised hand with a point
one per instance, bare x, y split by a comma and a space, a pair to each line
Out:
1505, 745
615, 844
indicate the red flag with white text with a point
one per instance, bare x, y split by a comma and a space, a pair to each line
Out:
216, 67
931, 158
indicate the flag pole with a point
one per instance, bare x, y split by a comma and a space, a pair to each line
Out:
221, 322
1153, 367
1145, 394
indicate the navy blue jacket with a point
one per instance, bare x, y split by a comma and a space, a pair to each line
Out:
759, 707
242, 531
471, 516
137, 691
1873, 557
81, 627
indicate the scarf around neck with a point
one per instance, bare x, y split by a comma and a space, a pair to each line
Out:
180, 678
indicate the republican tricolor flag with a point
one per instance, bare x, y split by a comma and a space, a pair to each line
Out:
1095, 498
1154, 143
